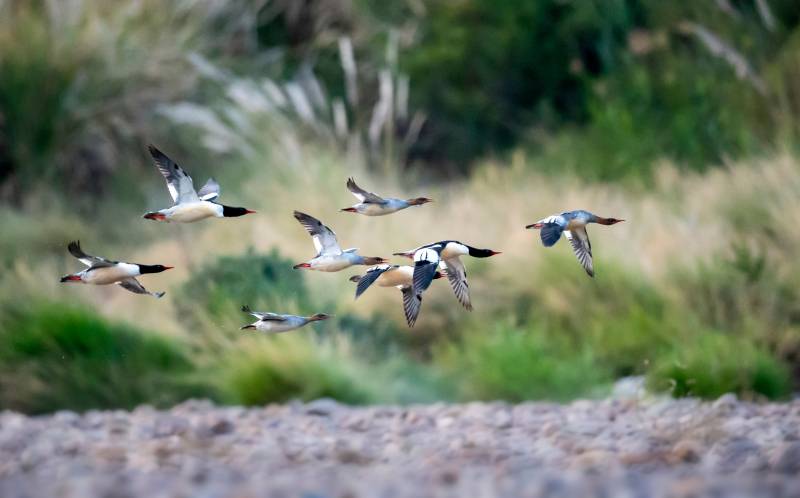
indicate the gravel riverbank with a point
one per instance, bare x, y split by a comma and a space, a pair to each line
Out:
674, 448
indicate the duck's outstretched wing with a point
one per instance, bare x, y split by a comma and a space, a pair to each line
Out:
582, 247
179, 183
369, 278
74, 248
457, 275
426, 261
324, 238
412, 303
264, 316
133, 285
209, 191
362, 195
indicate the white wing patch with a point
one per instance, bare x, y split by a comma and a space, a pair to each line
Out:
557, 219
179, 183
209, 191
323, 237
363, 195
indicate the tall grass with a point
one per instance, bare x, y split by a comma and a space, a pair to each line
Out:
81, 80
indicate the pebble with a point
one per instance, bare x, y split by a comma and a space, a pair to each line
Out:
655, 447
786, 458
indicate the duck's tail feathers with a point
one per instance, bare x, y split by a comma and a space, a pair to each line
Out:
550, 233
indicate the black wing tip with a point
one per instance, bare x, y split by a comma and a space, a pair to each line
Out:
74, 248
246, 308
158, 295
153, 150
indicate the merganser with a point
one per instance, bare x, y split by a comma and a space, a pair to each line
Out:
330, 256
427, 258
275, 323
573, 225
397, 276
103, 271
374, 205
190, 205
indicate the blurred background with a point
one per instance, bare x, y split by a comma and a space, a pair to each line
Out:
680, 117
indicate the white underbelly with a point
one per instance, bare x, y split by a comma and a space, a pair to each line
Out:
376, 209
453, 251
276, 327
330, 263
105, 276
188, 213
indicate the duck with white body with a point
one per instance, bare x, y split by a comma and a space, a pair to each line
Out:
190, 205
103, 271
427, 258
330, 256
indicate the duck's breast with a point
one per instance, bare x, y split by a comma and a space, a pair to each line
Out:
276, 327
371, 209
453, 250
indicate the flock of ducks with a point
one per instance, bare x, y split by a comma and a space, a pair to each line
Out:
431, 261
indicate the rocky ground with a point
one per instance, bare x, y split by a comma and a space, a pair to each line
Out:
611, 448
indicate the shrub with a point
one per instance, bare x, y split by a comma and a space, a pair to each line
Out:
516, 364
714, 364
55, 356
279, 368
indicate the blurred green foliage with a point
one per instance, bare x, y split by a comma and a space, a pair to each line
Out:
711, 364
518, 364
56, 356
283, 368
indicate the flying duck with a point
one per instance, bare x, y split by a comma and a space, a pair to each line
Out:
330, 256
573, 225
275, 323
394, 276
190, 205
103, 271
374, 205
427, 258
